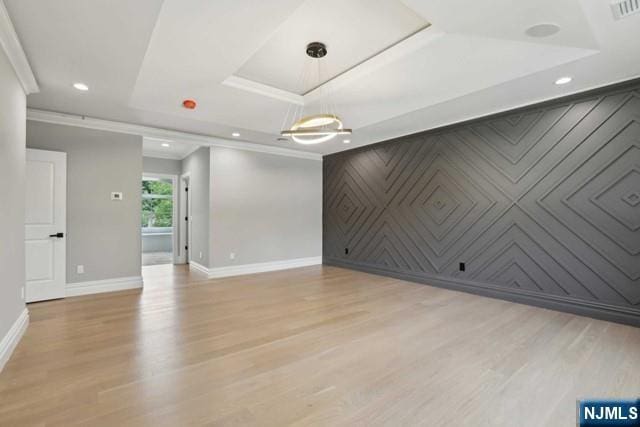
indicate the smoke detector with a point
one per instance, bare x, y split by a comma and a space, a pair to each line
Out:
623, 8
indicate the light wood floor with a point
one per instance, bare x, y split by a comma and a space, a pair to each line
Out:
312, 346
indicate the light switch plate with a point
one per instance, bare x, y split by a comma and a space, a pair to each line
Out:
116, 195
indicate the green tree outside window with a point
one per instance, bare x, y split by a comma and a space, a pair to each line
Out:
157, 203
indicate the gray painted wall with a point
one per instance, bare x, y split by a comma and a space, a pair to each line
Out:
197, 165
103, 235
542, 204
13, 112
164, 166
264, 207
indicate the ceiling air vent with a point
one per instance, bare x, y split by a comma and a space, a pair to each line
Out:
623, 8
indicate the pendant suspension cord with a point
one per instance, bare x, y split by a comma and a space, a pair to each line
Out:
324, 96
324, 108
328, 94
318, 80
286, 117
306, 76
299, 84
296, 110
321, 109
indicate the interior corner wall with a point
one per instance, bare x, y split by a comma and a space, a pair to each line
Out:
103, 235
13, 111
542, 205
264, 207
198, 167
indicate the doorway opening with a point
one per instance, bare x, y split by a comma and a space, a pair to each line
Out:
158, 221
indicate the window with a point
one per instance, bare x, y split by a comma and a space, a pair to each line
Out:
157, 203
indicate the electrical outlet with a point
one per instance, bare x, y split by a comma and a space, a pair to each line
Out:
200, 254
462, 266
80, 269
232, 255
346, 251
22, 293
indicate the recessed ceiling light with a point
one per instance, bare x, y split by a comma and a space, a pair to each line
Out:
346, 141
81, 86
542, 30
236, 134
164, 144
563, 80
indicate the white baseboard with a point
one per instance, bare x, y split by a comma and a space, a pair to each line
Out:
100, 286
198, 267
12, 338
262, 267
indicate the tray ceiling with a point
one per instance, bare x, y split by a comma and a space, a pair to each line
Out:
394, 67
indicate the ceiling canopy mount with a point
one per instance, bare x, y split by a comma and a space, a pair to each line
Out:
317, 50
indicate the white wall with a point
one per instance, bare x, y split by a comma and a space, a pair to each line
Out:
264, 207
163, 166
13, 112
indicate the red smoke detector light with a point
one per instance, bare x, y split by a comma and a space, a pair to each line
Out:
189, 104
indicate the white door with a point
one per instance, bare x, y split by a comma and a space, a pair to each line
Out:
45, 224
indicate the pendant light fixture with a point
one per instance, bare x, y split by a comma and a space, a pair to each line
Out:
316, 128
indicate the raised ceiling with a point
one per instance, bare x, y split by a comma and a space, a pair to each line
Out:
394, 67
357, 30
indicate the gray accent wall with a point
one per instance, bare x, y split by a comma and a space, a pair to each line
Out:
162, 166
103, 235
264, 207
197, 166
541, 204
13, 111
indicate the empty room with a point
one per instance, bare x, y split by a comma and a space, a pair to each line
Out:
319, 212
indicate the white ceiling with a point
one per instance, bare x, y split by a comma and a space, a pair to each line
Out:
242, 60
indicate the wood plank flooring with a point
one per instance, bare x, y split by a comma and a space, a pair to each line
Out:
310, 346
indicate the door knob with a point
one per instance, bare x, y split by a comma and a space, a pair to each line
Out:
58, 235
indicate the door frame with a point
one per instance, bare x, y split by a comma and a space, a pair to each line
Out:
185, 209
174, 213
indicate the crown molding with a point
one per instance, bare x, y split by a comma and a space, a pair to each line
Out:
13, 49
264, 90
165, 134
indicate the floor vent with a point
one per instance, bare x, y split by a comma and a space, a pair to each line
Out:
623, 8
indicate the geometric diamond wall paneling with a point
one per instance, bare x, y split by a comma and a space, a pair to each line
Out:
541, 202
